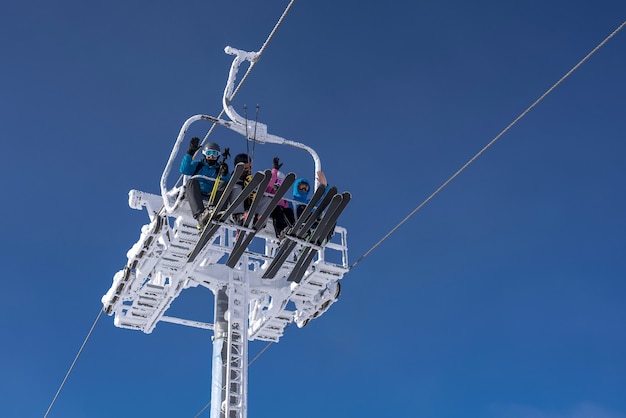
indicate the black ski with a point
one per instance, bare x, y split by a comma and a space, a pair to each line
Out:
320, 194
319, 235
252, 209
258, 197
257, 223
218, 216
304, 222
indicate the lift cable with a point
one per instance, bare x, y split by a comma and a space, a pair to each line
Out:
74, 362
394, 229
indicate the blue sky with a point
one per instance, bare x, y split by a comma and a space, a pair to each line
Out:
503, 297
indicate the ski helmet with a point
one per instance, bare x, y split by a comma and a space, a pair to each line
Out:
211, 146
242, 158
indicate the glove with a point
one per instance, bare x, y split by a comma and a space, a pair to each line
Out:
276, 163
223, 169
194, 145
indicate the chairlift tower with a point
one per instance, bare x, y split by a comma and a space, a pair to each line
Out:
247, 306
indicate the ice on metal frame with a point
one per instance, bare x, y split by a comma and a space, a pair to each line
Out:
157, 271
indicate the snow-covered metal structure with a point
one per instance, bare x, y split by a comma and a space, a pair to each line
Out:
246, 307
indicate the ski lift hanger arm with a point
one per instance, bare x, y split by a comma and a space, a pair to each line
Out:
258, 128
237, 124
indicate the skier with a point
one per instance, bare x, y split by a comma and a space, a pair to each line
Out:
199, 189
301, 190
284, 215
241, 183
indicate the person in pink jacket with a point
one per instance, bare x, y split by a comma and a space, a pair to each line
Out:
273, 185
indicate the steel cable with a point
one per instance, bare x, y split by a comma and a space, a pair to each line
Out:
460, 170
74, 362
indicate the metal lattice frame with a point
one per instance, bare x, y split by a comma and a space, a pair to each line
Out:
247, 307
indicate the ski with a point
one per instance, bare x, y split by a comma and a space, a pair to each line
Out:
320, 194
252, 209
304, 222
218, 216
257, 198
229, 186
310, 236
257, 223
319, 235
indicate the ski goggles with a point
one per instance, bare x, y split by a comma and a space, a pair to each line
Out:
211, 153
303, 187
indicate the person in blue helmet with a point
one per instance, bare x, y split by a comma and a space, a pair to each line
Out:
200, 188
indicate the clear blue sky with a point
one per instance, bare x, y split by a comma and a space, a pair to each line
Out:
503, 297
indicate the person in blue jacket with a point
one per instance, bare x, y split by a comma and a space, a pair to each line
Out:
199, 189
300, 192
285, 216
